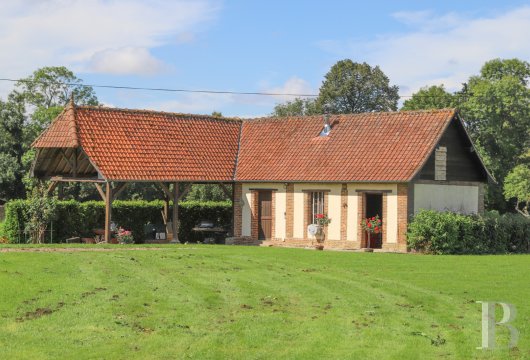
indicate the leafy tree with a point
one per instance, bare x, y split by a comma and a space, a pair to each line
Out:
433, 97
53, 86
348, 87
496, 109
11, 148
517, 186
355, 88
206, 192
217, 114
297, 107
41, 210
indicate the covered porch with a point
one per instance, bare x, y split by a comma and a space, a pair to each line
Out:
111, 148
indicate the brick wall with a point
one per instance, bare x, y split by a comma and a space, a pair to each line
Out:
402, 194
344, 212
238, 210
254, 231
289, 212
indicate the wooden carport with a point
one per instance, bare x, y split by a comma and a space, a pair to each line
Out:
114, 147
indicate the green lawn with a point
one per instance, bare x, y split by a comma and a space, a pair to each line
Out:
254, 303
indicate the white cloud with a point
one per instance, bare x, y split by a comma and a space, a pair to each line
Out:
127, 60
441, 48
293, 85
82, 34
194, 103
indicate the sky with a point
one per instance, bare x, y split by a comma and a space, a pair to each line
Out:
253, 46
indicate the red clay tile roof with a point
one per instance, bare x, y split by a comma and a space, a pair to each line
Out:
62, 132
370, 147
153, 146
156, 146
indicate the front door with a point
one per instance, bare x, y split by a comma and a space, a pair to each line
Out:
265, 215
374, 207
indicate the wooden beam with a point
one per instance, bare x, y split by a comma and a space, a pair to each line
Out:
187, 189
100, 191
166, 190
108, 212
72, 179
175, 213
75, 162
68, 161
227, 192
118, 189
52, 186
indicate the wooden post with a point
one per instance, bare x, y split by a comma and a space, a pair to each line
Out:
175, 213
108, 212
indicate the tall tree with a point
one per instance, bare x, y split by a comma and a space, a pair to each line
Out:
433, 97
496, 108
351, 87
29, 109
12, 117
348, 87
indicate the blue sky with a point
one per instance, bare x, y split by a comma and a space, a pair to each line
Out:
267, 46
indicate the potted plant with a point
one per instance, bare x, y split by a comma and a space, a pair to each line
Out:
371, 225
322, 221
124, 236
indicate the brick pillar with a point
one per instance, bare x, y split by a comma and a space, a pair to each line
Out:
238, 209
360, 216
344, 212
254, 215
402, 194
289, 211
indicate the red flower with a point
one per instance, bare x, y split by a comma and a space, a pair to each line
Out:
369, 225
373, 218
320, 216
376, 228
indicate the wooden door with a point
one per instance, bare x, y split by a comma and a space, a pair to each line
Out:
265, 215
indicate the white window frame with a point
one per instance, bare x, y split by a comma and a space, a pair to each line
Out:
317, 204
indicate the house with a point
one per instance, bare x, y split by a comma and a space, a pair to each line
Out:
284, 171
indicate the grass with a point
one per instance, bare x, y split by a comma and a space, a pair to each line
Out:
255, 303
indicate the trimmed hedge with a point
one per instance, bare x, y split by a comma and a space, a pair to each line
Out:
78, 219
450, 233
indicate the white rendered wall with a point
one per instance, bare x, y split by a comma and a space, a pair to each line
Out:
458, 198
279, 214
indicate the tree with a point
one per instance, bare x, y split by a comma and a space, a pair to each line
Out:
297, 107
496, 108
517, 186
11, 148
347, 88
355, 88
29, 109
433, 97
206, 192
53, 86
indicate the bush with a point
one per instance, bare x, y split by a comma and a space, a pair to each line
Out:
79, 219
449, 233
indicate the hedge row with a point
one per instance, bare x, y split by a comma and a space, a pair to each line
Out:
449, 233
79, 219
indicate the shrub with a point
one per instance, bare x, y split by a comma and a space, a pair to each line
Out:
79, 219
449, 233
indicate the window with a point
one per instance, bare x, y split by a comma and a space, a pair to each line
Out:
440, 163
317, 205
